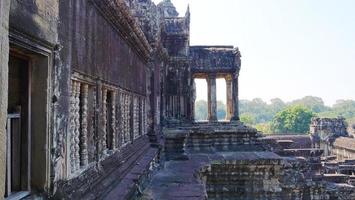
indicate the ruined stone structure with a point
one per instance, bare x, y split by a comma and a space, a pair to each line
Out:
97, 102
211, 62
325, 131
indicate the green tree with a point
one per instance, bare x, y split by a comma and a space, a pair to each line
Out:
276, 105
343, 108
264, 128
293, 119
248, 119
316, 104
201, 110
258, 108
221, 110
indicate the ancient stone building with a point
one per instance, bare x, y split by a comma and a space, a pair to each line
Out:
325, 131
78, 97
97, 102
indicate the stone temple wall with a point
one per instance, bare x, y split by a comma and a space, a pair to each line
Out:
324, 131
33, 34
327, 127
106, 56
96, 58
261, 175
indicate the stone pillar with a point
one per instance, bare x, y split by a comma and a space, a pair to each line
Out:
235, 96
212, 98
4, 59
229, 106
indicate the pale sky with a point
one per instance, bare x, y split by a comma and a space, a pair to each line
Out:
290, 48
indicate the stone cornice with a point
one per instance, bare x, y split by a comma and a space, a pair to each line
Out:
117, 13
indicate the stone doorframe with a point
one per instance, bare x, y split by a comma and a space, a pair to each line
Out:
232, 94
4, 58
40, 118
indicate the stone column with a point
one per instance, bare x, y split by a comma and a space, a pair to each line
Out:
229, 106
4, 59
235, 96
212, 98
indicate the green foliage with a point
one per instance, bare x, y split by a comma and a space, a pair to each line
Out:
260, 114
315, 104
258, 108
264, 128
344, 108
221, 110
247, 119
293, 119
201, 110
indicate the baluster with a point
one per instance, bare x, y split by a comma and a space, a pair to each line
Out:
93, 126
104, 113
72, 127
77, 126
122, 118
136, 118
129, 127
84, 126
113, 122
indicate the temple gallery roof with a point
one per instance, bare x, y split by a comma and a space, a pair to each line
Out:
214, 59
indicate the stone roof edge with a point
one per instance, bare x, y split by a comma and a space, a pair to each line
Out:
232, 48
212, 46
345, 142
117, 13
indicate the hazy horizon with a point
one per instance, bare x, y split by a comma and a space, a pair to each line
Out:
290, 48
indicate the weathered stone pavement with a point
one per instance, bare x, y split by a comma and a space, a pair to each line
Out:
180, 179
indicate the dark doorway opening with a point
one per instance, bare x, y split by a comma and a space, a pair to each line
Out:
18, 130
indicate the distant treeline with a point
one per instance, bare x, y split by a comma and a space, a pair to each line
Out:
262, 115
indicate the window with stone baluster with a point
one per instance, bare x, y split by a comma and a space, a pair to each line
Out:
81, 137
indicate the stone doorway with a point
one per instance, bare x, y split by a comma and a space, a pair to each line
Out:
28, 139
18, 126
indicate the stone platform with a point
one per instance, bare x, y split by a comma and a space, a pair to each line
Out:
229, 161
233, 175
210, 137
186, 179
